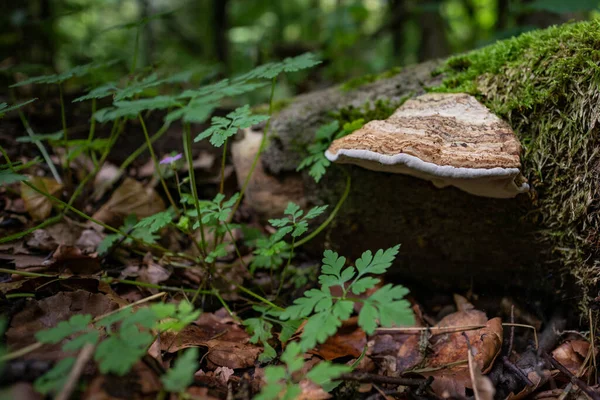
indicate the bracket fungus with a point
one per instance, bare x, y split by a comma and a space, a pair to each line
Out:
449, 139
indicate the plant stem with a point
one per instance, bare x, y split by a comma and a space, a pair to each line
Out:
187, 145
287, 265
263, 145
26, 232
65, 132
152, 286
157, 166
237, 250
256, 296
142, 148
41, 147
114, 134
223, 167
92, 131
331, 216
135, 50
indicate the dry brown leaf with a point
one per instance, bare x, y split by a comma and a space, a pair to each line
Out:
572, 354
228, 344
47, 313
451, 348
538, 381
349, 340
483, 388
71, 258
129, 198
232, 354
36, 204
140, 383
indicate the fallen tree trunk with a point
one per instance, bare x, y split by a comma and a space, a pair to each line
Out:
546, 86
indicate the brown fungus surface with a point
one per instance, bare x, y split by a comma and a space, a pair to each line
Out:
449, 139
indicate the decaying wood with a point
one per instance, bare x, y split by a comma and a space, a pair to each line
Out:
449, 238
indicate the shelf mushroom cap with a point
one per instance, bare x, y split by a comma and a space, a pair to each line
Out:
449, 139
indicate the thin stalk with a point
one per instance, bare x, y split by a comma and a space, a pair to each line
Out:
256, 296
237, 250
114, 134
157, 165
263, 145
143, 147
225, 306
41, 148
63, 116
287, 265
26, 232
223, 167
152, 286
102, 224
187, 146
331, 216
92, 131
135, 50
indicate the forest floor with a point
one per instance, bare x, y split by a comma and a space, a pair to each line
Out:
224, 311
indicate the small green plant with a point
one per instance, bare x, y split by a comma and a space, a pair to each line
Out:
261, 327
280, 382
178, 378
120, 339
324, 136
271, 252
326, 312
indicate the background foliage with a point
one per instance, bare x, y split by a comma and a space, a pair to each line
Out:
225, 37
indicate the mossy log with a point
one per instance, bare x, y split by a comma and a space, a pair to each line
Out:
545, 84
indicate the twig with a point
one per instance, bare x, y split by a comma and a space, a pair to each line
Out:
374, 378
516, 370
575, 380
83, 357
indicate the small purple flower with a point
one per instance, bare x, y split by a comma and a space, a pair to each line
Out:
171, 160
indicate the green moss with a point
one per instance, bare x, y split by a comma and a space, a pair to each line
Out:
380, 109
546, 84
355, 83
278, 105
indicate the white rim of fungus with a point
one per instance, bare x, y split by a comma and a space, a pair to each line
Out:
415, 163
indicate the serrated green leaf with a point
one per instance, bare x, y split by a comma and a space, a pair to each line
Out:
315, 212
155, 222
378, 264
118, 353
318, 328
77, 343
75, 324
54, 380
368, 317
178, 378
8, 177
107, 243
77, 71
326, 132
5, 108
364, 284
332, 263
292, 357
291, 209
304, 306
324, 372
300, 229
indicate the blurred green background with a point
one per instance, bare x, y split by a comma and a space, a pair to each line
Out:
225, 37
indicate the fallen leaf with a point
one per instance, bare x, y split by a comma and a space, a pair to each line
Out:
131, 197
349, 340
450, 349
71, 258
42, 314
36, 204
572, 354
139, 383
